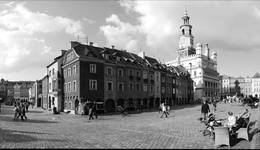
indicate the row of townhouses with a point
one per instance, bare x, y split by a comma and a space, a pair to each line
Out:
244, 86
110, 77
14, 90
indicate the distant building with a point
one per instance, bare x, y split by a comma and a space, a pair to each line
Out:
240, 86
3, 90
256, 85
35, 93
198, 61
45, 89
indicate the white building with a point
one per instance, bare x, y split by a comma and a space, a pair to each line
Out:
256, 85
198, 61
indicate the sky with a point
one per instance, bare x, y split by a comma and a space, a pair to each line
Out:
33, 33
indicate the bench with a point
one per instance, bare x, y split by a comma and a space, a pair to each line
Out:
221, 136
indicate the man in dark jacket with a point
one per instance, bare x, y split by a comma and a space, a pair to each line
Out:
205, 109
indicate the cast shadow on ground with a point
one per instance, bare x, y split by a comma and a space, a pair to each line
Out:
35, 111
11, 119
19, 136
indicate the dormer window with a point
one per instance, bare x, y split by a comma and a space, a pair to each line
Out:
118, 58
106, 56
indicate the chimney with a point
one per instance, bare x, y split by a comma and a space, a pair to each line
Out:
63, 52
141, 54
73, 43
113, 46
91, 43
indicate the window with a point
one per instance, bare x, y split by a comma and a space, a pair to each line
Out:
131, 72
50, 73
131, 87
110, 86
163, 89
121, 86
69, 72
163, 79
109, 71
92, 84
53, 71
173, 91
173, 81
92, 68
157, 78
65, 73
145, 88
69, 87
74, 69
74, 86
194, 73
120, 72
54, 84
137, 73
145, 74
50, 85
65, 87
152, 88
137, 87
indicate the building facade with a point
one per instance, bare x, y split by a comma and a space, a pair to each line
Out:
198, 61
55, 83
112, 77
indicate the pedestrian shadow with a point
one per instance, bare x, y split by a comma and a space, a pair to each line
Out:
11, 119
35, 111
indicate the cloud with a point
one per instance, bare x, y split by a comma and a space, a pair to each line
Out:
150, 33
24, 35
122, 35
232, 29
89, 21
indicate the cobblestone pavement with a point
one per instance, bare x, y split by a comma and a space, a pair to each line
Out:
181, 129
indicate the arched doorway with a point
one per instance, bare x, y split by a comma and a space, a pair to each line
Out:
110, 105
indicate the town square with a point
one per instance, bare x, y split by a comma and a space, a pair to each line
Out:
129, 74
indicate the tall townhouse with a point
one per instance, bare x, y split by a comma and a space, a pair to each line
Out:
83, 76
55, 83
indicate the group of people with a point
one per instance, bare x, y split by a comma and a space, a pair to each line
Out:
20, 109
234, 123
165, 109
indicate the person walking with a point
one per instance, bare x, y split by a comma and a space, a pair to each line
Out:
215, 105
16, 111
164, 111
205, 110
90, 113
23, 112
95, 110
